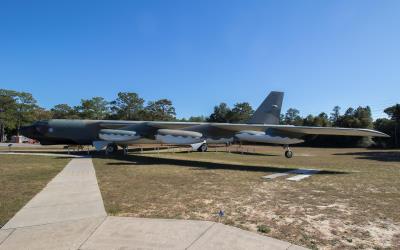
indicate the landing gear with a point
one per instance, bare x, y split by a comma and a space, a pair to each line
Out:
111, 148
288, 152
203, 147
125, 150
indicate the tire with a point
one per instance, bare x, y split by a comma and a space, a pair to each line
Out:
203, 148
111, 148
288, 154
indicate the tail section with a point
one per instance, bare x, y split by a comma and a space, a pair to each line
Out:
269, 111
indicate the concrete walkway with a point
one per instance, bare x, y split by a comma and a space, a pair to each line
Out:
43, 154
69, 214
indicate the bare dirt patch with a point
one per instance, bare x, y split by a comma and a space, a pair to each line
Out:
352, 203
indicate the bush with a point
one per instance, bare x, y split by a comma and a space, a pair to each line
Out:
263, 229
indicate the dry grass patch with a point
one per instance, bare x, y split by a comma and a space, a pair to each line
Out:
22, 177
352, 203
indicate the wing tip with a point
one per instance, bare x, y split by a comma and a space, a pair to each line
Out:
376, 133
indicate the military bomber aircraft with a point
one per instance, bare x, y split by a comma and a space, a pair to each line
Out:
263, 127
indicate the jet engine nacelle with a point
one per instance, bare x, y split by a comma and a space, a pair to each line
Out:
262, 137
118, 136
179, 137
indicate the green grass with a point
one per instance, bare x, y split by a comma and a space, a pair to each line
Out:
352, 203
22, 177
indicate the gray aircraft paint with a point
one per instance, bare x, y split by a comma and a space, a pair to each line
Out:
269, 111
262, 127
262, 137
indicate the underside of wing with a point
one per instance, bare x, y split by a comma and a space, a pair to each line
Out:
332, 131
302, 130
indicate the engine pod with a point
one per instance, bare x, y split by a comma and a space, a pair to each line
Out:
180, 137
114, 135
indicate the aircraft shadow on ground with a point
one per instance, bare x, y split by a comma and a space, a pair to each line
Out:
205, 165
253, 153
232, 152
388, 156
133, 150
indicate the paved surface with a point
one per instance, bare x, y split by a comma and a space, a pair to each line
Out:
41, 154
69, 214
27, 145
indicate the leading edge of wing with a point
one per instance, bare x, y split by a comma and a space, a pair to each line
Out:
334, 131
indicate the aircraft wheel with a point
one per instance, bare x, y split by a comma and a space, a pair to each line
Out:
203, 147
288, 154
111, 148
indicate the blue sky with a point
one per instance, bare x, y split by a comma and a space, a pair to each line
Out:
201, 53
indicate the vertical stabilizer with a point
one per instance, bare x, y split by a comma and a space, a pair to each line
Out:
269, 111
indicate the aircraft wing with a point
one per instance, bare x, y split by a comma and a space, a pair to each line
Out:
303, 129
173, 125
155, 124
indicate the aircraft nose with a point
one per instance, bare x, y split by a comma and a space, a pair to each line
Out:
27, 131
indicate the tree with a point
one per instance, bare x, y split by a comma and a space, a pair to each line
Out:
355, 118
26, 106
240, 113
394, 113
309, 120
282, 119
387, 126
197, 119
8, 108
160, 110
42, 114
64, 111
320, 120
128, 106
364, 117
17, 109
220, 114
348, 119
335, 115
95, 108
292, 117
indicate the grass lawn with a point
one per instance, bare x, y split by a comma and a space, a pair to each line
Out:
353, 203
22, 177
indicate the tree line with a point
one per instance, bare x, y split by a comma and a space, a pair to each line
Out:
21, 108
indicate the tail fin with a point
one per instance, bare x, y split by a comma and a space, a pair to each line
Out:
269, 111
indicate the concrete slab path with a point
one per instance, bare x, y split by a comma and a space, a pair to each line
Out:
69, 214
42, 154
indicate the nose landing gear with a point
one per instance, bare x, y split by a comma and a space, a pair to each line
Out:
288, 152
